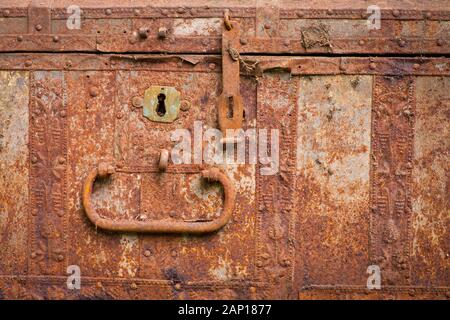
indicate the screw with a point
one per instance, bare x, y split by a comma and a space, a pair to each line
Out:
38, 27
185, 105
55, 38
162, 32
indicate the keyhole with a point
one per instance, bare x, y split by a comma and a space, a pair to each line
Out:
161, 109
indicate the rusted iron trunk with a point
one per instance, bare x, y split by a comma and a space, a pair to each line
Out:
88, 182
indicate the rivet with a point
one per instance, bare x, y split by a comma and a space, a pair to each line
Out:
68, 63
361, 42
428, 15
60, 213
177, 286
252, 289
165, 12
300, 14
401, 43
212, 66
19, 38
108, 12
93, 91
34, 212
6, 13
416, 66
38, 27
440, 42
34, 159
194, 11
60, 257
372, 66
147, 253
395, 13
172, 214
61, 160
267, 26
119, 115
33, 255
99, 41
329, 12
133, 286
99, 284
55, 38
286, 42
181, 10
342, 67
205, 42
243, 41
62, 114
259, 264
28, 63
137, 102
137, 12
162, 32
173, 253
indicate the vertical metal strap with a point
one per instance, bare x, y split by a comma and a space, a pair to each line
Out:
39, 16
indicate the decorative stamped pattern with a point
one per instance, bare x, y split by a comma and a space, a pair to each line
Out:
392, 151
48, 155
276, 193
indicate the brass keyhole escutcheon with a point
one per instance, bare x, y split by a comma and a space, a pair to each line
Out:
161, 104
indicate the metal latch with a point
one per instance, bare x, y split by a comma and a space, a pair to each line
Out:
230, 107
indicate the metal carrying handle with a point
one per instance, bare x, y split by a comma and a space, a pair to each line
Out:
159, 226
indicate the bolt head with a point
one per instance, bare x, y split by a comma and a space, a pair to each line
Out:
143, 32
162, 32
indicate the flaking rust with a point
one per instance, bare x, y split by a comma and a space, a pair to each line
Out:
87, 178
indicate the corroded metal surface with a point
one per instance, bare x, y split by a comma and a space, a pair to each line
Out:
363, 149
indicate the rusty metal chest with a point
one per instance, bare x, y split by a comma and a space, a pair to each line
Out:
267, 149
